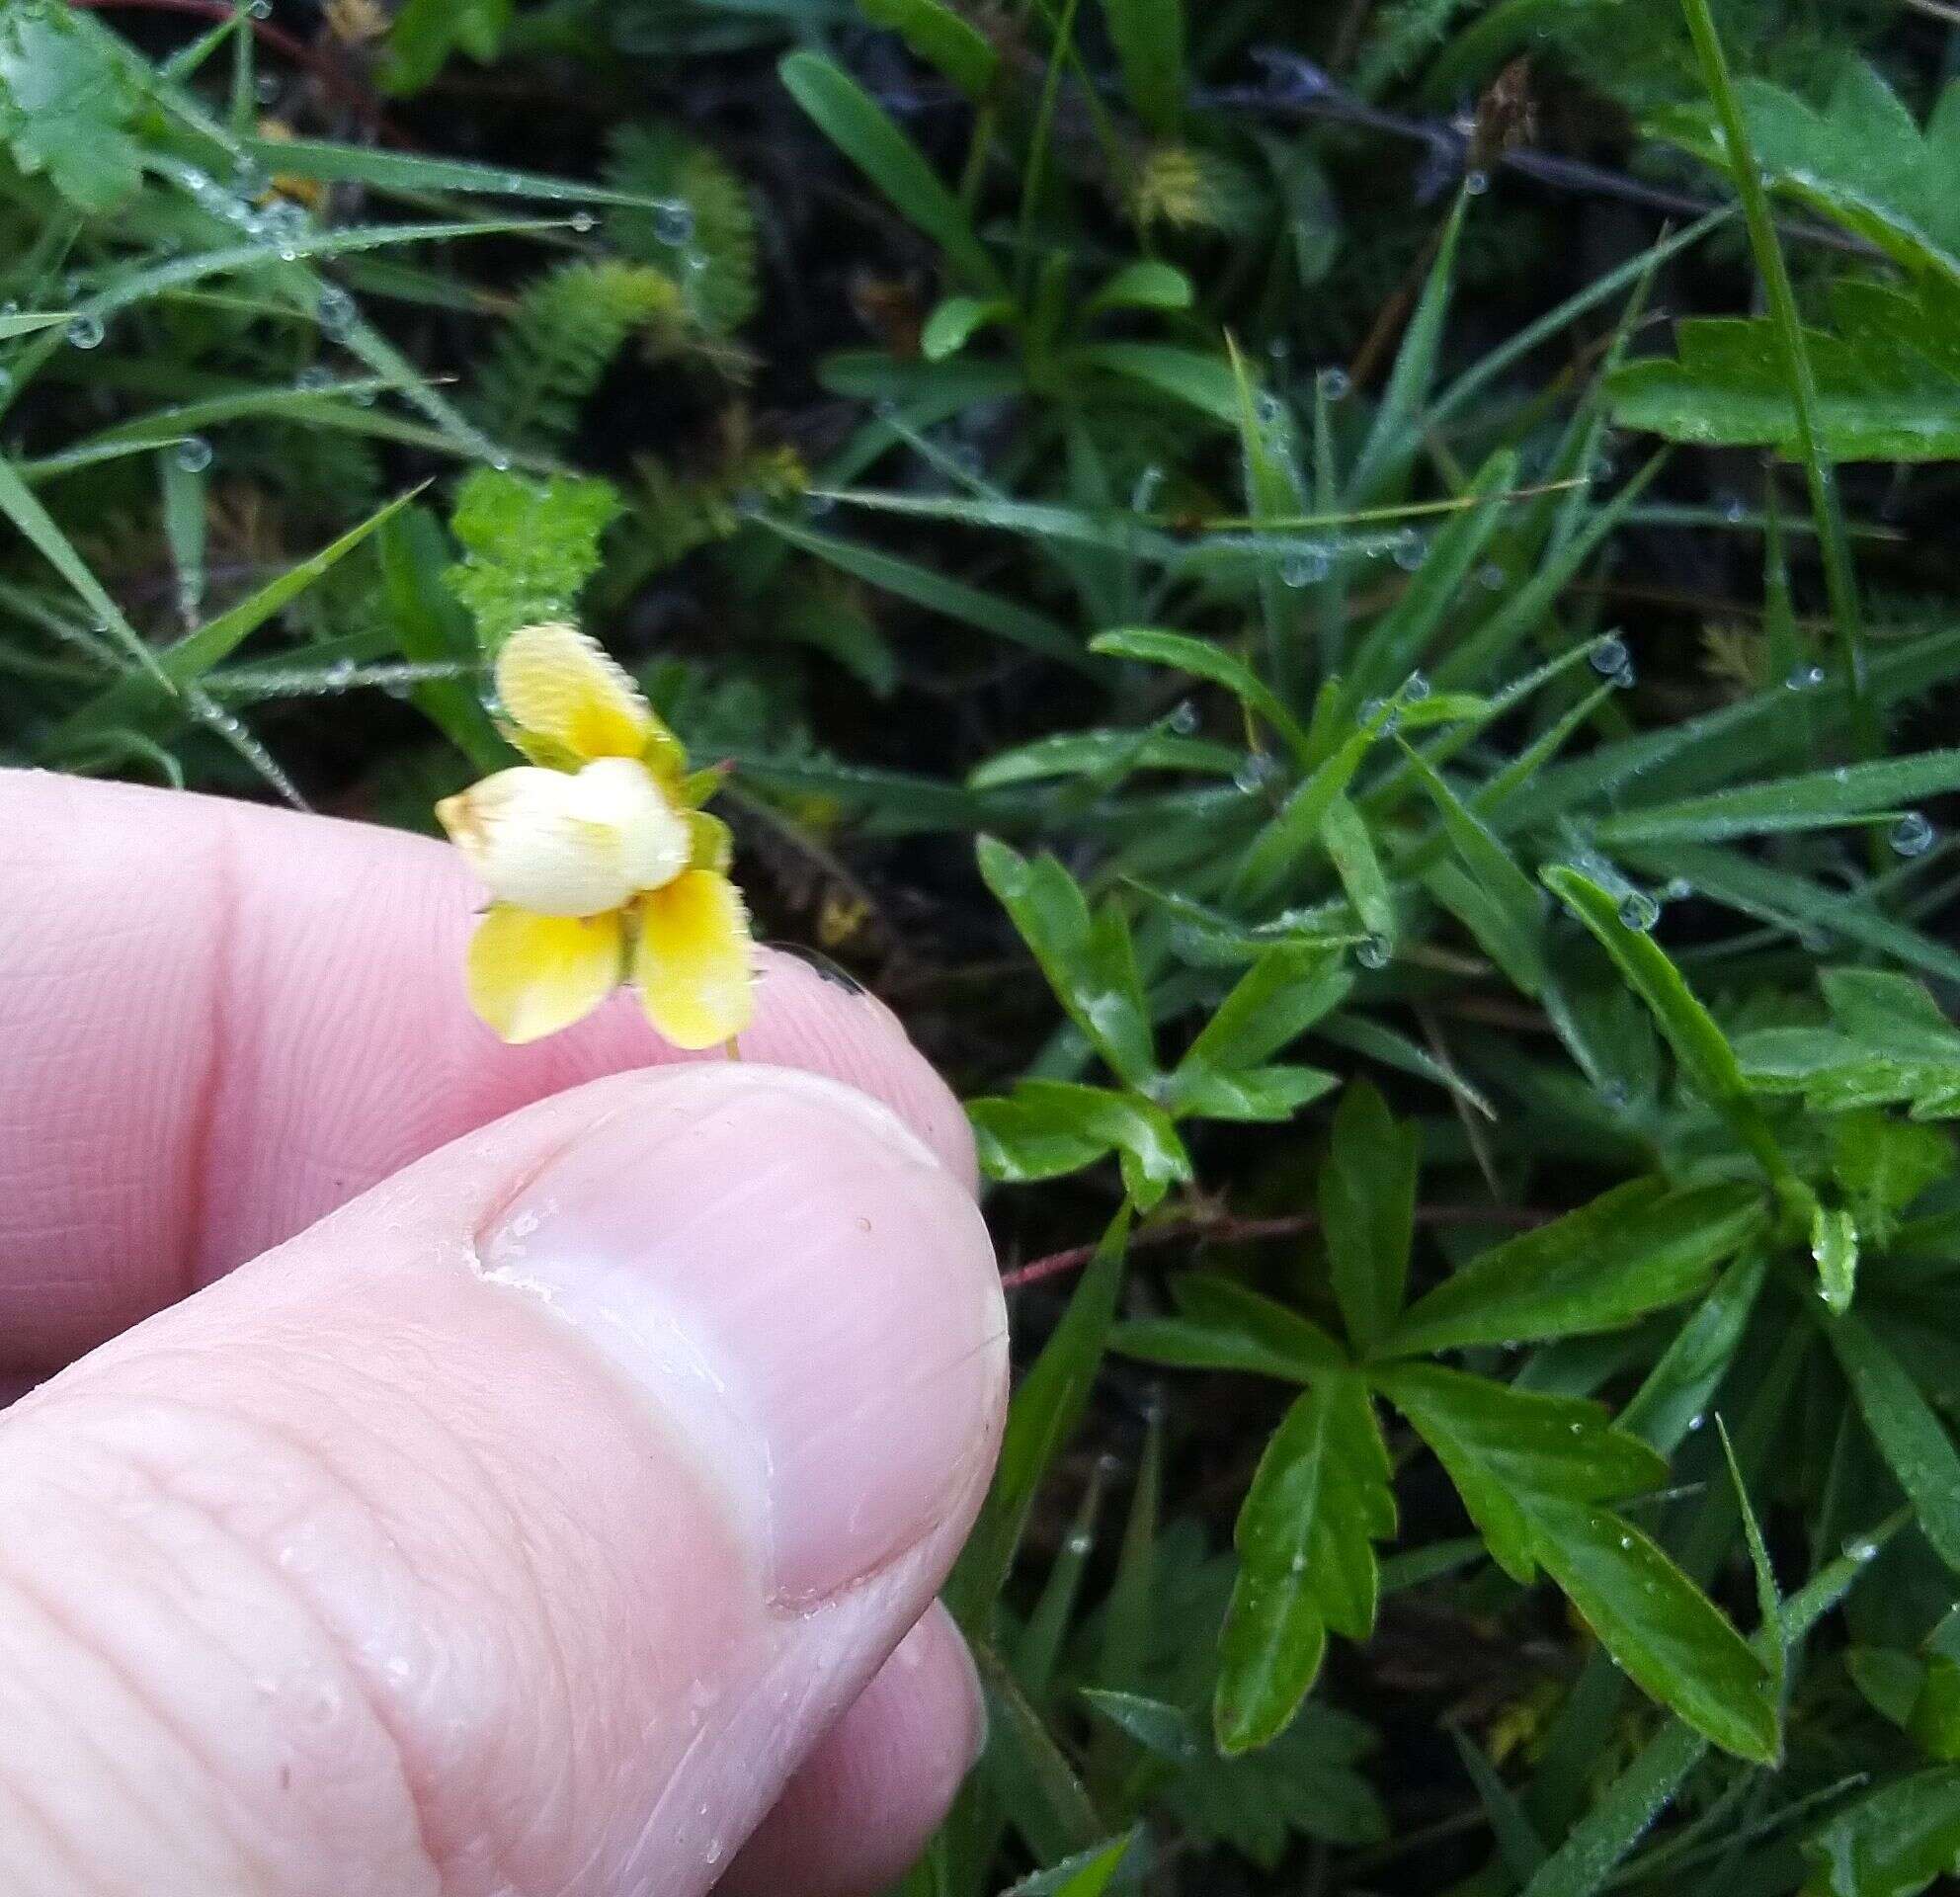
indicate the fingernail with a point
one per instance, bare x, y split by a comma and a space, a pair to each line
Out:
802, 1290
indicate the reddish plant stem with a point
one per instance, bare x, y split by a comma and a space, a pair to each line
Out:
276, 39
1225, 1229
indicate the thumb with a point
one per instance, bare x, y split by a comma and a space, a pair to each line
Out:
517, 1528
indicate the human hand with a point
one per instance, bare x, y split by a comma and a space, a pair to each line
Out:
557, 1498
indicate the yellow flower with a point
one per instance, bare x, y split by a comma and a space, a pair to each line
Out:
599, 867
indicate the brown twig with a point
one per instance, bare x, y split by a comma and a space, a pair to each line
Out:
1226, 1229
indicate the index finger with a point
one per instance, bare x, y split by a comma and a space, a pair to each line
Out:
219, 1022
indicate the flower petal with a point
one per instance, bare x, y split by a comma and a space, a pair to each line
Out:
556, 684
547, 842
691, 962
531, 976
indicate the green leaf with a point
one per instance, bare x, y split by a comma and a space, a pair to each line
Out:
1510, 921
1279, 998
1531, 1471
1883, 1164
528, 548
1859, 160
1672, 1641
1833, 1247
1403, 637
861, 129
1639, 1248
1203, 660
1679, 1389
1351, 849
1022, 1141
1912, 1438
1205, 382
939, 593
1147, 284
1257, 1093
1149, 37
1700, 1046
427, 31
1888, 381
1319, 1498
1090, 964
23, 323
955, 322
1891, 1841
65, 106
941, 38
1502, 1446
1223, 1326
1816, 801
1367, 1209
1146, 1143
1393, 440
1041, 1418
1584, 1864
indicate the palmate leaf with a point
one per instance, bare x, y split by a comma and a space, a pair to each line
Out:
1533, 1471
65, 104
1859, 160
1888, 380
528, 548
1318, 1500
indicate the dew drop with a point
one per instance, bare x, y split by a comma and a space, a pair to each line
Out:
1373, 953
1410, 552
1491, 577
1334, 384
583, 221
1255, 772
337, 313
1610, 658
1911, 835
1183, 721
85, 332
259, 9
1476, 183
674, 222
1303, 567
1415, 689
1145, 492
1677, 889
1639, 911
1695, 1422
1805, 677
1269, 407
339, 675
194, 454
313, 379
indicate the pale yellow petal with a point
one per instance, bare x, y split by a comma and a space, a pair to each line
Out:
558, 685
531, 975
569, 844
691, 963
